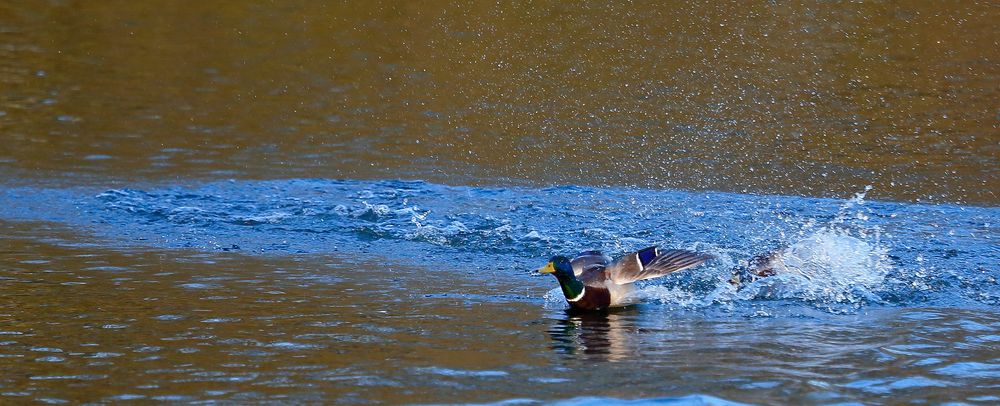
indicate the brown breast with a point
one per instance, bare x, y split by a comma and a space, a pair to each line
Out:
594, 298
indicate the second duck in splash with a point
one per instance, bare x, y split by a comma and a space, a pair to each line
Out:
591, 281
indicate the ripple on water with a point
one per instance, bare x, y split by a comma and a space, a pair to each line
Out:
460, 372
80, 377
976, 370
126, 397
173, 398
221, 320
690, 400
200, 286
105, 355
287, 345
220, 376
52, 401
885, 386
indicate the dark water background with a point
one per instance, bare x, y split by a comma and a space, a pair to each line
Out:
297, 202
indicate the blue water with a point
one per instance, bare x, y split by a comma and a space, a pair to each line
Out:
913, 255
352, 291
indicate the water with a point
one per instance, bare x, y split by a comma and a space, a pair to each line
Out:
303, 203
818, 100
400, 291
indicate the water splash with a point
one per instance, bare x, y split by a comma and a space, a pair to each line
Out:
827, 268
845, 209
838, 266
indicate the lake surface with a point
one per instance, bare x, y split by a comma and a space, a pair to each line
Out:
299, 203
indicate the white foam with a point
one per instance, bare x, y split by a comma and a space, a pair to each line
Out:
673, 296
828, 266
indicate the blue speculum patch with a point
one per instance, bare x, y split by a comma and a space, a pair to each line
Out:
647, 255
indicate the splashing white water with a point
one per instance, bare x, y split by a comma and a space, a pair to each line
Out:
829, 266
845, 210
831, 269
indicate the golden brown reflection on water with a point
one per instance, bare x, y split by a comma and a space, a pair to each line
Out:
84, 324
817, 99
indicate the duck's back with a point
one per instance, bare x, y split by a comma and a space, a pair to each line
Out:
602, 292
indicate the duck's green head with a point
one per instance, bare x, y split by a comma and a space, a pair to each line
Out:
558, 265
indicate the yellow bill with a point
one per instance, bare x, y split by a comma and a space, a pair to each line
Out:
550, 268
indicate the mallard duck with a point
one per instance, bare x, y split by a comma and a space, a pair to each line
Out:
591, 281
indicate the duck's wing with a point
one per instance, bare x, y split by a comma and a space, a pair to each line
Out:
589, 260
652, 262
594, 277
